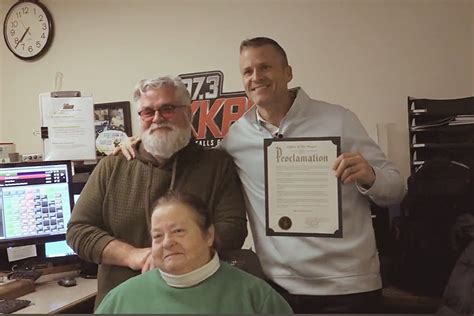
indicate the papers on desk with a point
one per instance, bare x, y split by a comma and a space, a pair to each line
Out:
302, 193
22, 252
70, 127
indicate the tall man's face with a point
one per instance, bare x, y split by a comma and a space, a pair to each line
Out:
165, 123
264, 75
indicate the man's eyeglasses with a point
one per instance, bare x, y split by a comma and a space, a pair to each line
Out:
166, 111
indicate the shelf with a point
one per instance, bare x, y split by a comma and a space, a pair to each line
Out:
441, 146
440, 129
443, 128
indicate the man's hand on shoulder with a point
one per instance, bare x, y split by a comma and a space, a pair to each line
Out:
350, 167
127, 147
122, 254
138, 259
149, 264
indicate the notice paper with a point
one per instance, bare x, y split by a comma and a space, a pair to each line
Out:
70, 127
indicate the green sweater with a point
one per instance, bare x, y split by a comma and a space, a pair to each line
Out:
116, 204
228, 291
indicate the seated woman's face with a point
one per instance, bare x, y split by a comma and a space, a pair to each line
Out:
179, 245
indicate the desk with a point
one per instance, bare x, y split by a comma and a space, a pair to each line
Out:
50, 298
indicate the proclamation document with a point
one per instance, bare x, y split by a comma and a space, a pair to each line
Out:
302, 191
70, 127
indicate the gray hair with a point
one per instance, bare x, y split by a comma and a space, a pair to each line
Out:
182, 93
195, 204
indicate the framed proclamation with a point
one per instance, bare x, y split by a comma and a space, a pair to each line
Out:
302, 193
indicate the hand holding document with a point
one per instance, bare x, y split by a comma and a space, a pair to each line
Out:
302, 192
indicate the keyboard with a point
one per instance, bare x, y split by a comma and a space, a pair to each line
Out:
25, 274
12, 305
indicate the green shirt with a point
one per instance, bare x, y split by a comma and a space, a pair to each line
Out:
228, 291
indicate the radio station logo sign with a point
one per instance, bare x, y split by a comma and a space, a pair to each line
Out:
213, 111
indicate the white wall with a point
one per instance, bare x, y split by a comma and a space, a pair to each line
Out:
367, 55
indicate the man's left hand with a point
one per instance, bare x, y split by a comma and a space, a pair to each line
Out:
352, 167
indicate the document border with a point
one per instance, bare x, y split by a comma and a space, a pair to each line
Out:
269, 232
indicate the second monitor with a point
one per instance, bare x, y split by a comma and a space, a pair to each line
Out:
35, 202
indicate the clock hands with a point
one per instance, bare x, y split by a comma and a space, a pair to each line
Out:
21, 21
22, 37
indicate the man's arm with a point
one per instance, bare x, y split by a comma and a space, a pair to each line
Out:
87, 232
229, 211
387, 187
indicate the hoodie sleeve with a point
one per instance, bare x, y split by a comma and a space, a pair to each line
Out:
229, 211
389, 187
86, 233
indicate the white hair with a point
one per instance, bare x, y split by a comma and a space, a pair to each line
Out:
170, 142
182, 93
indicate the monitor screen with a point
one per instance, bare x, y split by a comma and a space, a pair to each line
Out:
57, 249
35, 202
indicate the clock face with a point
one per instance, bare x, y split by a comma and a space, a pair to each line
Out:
28, 29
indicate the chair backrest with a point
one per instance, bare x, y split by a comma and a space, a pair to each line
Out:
459, 293
244, 259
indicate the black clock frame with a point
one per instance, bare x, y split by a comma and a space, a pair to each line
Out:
49, 41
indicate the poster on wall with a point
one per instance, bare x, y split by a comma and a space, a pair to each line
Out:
67, 127
213, 111
112, 125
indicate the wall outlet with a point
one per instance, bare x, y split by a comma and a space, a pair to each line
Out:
31, 157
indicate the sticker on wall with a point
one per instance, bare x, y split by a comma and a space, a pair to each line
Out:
214, 111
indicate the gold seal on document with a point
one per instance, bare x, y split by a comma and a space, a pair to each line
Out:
284, 223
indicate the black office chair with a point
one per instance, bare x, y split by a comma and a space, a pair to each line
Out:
244, 259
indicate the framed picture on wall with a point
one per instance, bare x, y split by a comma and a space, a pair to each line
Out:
112, 124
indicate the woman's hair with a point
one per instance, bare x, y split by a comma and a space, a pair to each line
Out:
197, 205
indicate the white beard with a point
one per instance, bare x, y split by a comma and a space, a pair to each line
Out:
164, 143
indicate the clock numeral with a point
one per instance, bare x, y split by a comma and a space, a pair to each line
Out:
12, 32
24, 10
38, 44
40, 18
18, 15
43, 36
17, 40
44, 26
30, 48
23, 46
14, 23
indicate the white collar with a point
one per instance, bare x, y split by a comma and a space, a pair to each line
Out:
194, 277
267, 125
273, 129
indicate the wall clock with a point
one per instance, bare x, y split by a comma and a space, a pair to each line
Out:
28, 29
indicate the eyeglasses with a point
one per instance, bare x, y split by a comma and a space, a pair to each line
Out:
166, 111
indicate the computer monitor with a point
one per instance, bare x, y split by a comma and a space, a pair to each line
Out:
57, 249
35, 202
